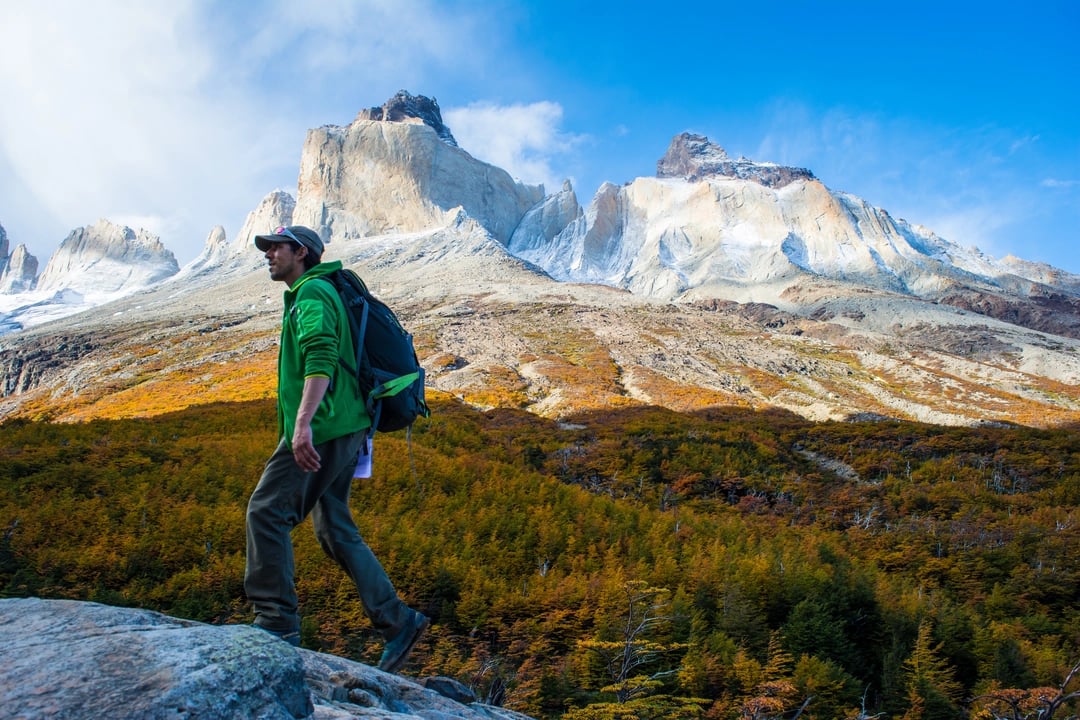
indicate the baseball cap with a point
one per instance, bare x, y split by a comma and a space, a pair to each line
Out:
293, 233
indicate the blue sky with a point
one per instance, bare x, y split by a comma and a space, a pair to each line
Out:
178, 116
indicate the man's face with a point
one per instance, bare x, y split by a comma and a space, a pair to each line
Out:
286, 260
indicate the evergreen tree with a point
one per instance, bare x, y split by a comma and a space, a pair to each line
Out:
932, 687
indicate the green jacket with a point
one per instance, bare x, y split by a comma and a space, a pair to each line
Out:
316, 341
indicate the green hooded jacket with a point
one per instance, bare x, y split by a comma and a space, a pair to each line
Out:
316, 342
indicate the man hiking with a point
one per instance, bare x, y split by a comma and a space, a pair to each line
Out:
322, 429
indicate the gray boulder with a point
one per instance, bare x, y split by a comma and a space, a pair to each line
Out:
64, 659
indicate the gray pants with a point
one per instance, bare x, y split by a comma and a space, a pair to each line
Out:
285, 496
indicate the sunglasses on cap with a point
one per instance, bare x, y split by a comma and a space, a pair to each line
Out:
288, 233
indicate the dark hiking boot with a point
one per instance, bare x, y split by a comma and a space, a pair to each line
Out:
397, 650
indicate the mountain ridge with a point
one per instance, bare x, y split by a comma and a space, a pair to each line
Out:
709, 286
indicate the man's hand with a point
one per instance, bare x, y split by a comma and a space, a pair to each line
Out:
302, 446
303, 450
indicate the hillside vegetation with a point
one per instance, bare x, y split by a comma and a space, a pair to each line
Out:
634, 562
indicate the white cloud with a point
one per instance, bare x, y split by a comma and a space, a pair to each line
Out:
107, 113
975, 226
184, 114
1060, 184
524, 140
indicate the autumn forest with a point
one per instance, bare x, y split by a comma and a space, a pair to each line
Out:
627, 563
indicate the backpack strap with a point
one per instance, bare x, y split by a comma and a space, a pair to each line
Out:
359, 339
394, 385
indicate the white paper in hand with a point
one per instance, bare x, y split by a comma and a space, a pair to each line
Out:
363, 465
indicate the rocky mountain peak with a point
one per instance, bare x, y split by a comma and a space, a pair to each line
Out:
3, 246
18, 273
387, 172
694, 157
106, 258
274, 210
404, 107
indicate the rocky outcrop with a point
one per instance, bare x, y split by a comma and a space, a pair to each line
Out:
1054, 313
19, 273
71, 660
221, 256
107, 259
377, 177
546, 220
214, 253
275, 210
405, 107
692, 157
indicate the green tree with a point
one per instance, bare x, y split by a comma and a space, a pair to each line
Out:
631, 660
932, 687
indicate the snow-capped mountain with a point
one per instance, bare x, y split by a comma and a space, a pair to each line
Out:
93, 265
710, 226
108, 259
18, 272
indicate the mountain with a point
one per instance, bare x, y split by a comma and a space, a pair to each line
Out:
708, 226
107, 259
18, 272
221, 257
401, 175
92, 266
719, 282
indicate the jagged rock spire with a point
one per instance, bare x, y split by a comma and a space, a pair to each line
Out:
693, 157
403, 106
18, 273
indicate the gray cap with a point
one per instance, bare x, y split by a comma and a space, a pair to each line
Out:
293, 233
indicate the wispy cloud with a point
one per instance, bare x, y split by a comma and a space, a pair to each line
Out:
524, 140
973, 226
1022, 143
1060, 184
184, 114
99, 103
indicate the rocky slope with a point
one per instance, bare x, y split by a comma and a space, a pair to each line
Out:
494, 330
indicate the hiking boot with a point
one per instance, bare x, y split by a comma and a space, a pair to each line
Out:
397, 650
290, 636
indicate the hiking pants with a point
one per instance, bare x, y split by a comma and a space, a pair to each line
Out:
285, 496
